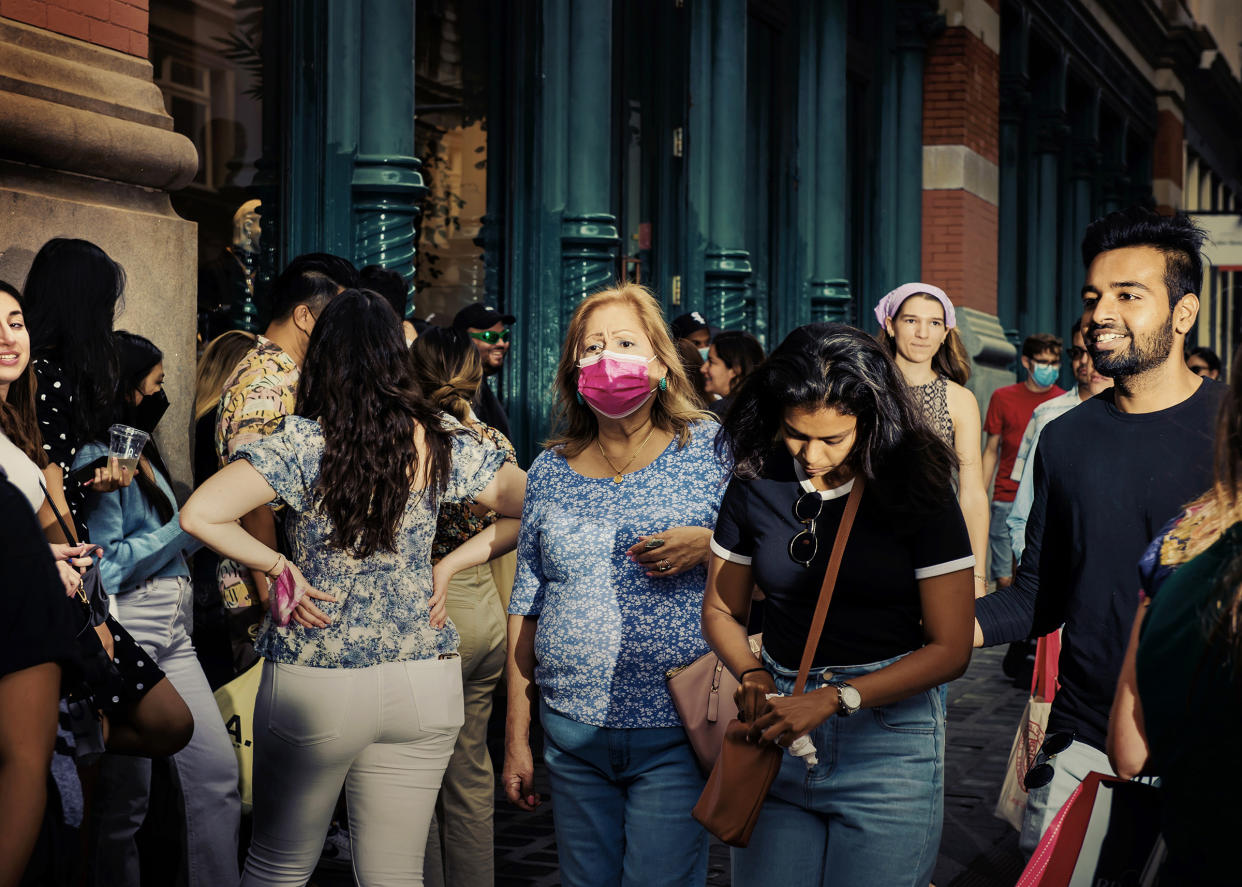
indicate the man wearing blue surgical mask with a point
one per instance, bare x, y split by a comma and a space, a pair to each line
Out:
1009, 411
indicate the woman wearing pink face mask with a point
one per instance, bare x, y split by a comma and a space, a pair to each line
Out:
612, 550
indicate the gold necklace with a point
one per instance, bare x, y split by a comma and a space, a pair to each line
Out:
616, 478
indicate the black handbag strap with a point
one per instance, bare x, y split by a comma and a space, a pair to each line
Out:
830, 582
64, 527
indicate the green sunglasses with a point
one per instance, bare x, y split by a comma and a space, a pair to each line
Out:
491, 337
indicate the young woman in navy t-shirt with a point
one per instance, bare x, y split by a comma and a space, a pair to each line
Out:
829, 406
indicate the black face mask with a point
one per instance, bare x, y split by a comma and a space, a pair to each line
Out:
147, 414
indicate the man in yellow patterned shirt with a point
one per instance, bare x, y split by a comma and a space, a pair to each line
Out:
259, 393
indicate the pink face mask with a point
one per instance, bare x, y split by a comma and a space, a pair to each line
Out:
614, 385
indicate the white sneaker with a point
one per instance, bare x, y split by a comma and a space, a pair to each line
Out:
336, 848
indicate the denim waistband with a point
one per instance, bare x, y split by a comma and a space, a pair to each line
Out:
824, 674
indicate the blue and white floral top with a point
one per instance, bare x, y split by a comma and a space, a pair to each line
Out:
381, 612
606, 633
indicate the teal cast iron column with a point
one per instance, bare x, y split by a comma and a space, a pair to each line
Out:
823, 193
387, 181
718, 156
589, 239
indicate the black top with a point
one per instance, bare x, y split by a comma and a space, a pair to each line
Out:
206, 462
54, 408
1105, 483
38, 624
488, 410
876, 612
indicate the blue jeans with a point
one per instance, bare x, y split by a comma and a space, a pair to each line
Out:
869, 814
621, 801
1000, 547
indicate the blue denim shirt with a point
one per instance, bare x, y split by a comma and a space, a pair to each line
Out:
137, 545
607, 634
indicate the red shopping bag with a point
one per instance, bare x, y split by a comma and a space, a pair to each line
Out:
1108, 832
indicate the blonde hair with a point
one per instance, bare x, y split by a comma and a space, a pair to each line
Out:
672, 410
220, 358
447, 369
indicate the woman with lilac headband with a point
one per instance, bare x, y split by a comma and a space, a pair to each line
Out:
918, 327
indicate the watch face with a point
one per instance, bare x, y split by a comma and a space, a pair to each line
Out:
850, 697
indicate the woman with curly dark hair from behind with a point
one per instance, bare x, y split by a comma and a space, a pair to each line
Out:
827, 411
361, 686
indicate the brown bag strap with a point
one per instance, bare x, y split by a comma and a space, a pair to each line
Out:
830, 581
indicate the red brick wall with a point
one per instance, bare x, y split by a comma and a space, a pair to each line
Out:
116, 24
959, 247
961, 106
961, 93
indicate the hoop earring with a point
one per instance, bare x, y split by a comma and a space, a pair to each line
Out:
663, 386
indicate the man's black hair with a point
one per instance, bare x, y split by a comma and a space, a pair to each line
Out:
1177, 236
1207, 355
386, 283
312, 280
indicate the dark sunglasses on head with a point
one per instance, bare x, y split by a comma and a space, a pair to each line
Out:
1076, 353
491, 337
1042, 771
805, 544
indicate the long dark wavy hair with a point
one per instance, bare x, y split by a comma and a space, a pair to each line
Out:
18, 419
838, 366
358, 383
136, 357
72, 293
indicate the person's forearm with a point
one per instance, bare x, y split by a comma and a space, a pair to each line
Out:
1006, 615
498, 539
261, 525
231, 540
921, 670
27, 734
520, 679
54, 480
974, 503
1126, 744
990, 457
728, 640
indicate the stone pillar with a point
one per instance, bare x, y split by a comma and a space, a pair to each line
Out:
717, 156
961, 183
87, 150
1168, 161
387, 180
589, 238
823, 193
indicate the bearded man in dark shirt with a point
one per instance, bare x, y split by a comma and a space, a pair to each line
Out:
1108, 475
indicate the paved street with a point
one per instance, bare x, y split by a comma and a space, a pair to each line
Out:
977, 849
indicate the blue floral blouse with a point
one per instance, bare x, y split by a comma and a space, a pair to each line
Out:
381, 612
606, 633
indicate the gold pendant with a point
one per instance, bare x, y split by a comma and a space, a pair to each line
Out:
616, 479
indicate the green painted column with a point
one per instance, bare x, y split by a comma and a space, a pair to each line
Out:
1015, 103
589, 238
917, 22
717, 154
822, 201
387, 181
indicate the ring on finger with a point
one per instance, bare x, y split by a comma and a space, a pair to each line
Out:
664, 566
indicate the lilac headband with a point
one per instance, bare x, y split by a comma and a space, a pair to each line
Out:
890, 304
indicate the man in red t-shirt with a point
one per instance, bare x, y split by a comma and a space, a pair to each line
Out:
1009, 411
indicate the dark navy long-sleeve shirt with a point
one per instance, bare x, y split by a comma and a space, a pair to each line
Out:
1105, 483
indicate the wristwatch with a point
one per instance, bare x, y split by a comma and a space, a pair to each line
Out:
849, 699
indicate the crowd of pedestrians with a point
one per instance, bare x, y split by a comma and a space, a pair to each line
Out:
362, 541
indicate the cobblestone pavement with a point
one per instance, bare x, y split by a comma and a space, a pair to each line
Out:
977, 850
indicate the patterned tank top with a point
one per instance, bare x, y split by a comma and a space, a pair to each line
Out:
933, 398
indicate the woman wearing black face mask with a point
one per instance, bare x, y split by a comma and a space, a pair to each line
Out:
145, 571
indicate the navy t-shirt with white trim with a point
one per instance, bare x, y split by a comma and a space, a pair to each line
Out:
876, 612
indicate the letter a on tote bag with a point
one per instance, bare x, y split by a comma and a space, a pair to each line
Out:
236, 702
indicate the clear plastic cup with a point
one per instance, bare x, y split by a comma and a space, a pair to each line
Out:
125, 445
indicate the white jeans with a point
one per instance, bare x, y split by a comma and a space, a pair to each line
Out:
386, 732
159, 614
1070, 768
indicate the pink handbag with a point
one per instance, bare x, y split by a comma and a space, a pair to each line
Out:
703, 696
285, 598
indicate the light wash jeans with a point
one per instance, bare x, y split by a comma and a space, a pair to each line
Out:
621, 802
869, 814
385, 732
159, 614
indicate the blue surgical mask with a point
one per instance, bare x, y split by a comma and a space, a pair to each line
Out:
1045, 375
703, 353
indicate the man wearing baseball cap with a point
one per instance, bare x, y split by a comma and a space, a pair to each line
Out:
490, 331
693, 327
